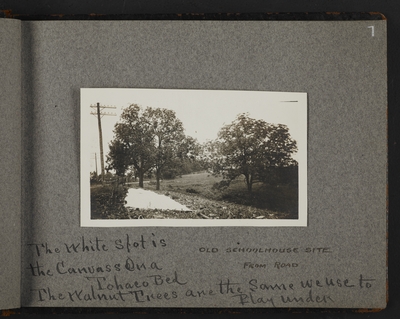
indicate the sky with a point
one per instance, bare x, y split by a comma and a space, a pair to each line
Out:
202, 112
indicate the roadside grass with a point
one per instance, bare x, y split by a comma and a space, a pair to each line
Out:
281, 198
197, 183
200, 193
203, 208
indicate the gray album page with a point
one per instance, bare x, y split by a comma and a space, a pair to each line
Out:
336, 258
10, 164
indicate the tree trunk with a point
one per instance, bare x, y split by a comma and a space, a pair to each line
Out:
141, 176
158, 177
249, 182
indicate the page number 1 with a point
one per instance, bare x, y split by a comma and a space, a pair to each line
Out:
372, 30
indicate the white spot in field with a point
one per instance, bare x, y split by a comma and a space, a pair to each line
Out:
145, 199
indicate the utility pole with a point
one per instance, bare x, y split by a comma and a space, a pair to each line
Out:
95, 160
99, 113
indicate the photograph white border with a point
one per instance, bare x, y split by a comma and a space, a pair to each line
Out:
275, 99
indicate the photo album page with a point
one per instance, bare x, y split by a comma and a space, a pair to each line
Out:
201, 164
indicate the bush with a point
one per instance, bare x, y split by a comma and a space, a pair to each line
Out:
108, 199
280, 175
171, 173
222, 185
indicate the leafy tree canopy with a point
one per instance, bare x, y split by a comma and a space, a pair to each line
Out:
250, 147
145, 139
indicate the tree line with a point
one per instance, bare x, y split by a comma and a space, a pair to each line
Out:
152, 141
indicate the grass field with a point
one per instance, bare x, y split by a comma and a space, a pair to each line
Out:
198, 192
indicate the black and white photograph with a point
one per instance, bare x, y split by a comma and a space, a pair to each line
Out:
158, 157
